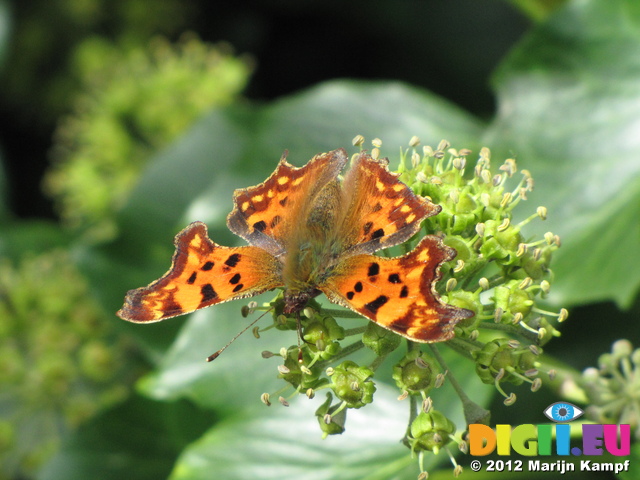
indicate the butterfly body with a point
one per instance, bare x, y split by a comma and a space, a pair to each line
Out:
311, 232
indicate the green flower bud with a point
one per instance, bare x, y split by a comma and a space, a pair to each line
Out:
331, 423
322, 334
350, 382
380, 340
468, 300
537, 266
415, 372
500, 243
512, 300
464, 252
462, 222
280, 320
293, 374
498, 357
467, 203
431, 431
549, 331
492, 200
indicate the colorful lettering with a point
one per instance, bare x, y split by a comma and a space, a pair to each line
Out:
529, 440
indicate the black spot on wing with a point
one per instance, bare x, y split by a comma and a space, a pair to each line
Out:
350, 295
235, 279
358, 287
207, 266
233, 260
367, 227
260, 226
238, 287
374, 269
377, 234
404, 293
394, 278
375, 305
191, 280
283, 202
208, 293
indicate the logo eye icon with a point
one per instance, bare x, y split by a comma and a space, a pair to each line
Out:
562, 412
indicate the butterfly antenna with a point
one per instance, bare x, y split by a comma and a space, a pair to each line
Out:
215, 355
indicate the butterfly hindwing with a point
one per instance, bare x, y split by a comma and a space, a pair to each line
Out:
399, 293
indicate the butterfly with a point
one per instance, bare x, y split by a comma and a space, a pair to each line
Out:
310, 231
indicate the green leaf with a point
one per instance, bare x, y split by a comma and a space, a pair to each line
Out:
329, 115
137, 440
280, 442
569, 104
286, 443
236, 379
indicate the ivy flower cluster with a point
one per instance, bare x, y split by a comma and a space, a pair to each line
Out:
133, 104
498, 273
613, 388
61, 360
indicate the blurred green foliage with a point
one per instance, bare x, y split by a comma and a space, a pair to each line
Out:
134, 103
60, 361
62, 358
538, 9
46, 34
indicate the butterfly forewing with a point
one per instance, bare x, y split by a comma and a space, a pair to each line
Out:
202, 274
268, 214
380, 210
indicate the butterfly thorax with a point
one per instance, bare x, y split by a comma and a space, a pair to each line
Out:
314, 250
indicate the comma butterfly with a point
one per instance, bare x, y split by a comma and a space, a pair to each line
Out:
311, 232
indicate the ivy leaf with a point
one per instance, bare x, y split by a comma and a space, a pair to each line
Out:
286, 443
279, 442
235, 380
569, 106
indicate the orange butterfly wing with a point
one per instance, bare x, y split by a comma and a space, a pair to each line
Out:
202, 274
399, 293
268, 214
381, 211
371, 209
